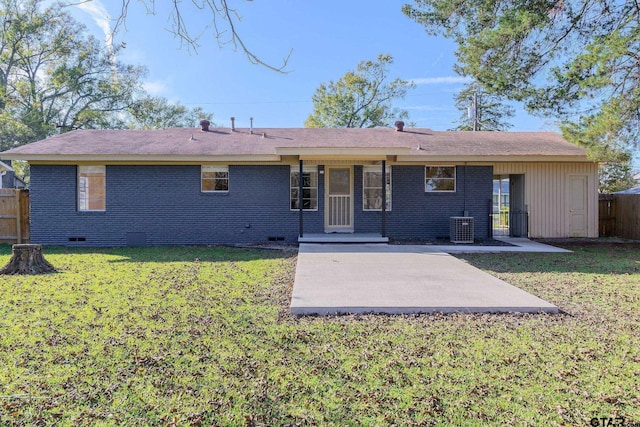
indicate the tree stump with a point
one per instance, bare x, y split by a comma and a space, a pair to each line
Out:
27, 259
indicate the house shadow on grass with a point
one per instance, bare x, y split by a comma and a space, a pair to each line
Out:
589, 257
172, 253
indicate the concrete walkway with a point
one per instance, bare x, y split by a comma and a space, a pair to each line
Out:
519, 244
402, 279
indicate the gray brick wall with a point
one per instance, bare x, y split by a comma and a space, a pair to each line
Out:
163, 205
166, 204
417, 214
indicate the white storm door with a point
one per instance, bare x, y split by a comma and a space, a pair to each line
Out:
338, 215
577, 205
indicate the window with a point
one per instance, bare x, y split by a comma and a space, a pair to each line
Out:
214, 179
92, 188
309, 188
372, 188
440, 178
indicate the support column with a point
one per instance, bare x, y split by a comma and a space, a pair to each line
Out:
384, 198
300, 207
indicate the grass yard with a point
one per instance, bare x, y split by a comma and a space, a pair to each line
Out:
201, 336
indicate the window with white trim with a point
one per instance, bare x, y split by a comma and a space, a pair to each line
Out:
309, 188
92, 192
372, 188
440, 179
214, 179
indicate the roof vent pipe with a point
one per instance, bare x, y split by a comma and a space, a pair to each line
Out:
204, 125
251, 128
233, 124
399, 125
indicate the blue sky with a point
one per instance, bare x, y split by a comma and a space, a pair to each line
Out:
326, 39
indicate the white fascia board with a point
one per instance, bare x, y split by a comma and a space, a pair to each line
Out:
493, 159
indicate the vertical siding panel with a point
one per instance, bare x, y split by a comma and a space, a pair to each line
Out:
542, 198
541, 206
532, 199
555, 181
560, 199
562, 210
569, 170
593, 193
538, 203
546, 195
555, 184
547, 175
564, 202
538, 207
563, 213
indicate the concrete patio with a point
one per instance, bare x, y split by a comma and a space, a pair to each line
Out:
404, 279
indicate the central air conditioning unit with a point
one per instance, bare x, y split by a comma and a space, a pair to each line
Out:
461, 229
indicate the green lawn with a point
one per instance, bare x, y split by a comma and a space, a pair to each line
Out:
201, 336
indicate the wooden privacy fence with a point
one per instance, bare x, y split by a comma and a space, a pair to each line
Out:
606, 215
14, 215
619, 216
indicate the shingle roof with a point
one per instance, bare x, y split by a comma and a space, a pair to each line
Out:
189, 142
634, 190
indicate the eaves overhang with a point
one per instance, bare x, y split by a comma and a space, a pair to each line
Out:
141, 158
493, 158
342, 153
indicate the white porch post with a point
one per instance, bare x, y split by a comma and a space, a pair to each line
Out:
384, 198
300, 231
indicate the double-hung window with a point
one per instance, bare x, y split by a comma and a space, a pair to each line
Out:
440, 179
372, 188
92, 194
309, 188
214, 179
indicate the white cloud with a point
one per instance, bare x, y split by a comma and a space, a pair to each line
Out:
101, 17
424, 108
446, 80
156, 87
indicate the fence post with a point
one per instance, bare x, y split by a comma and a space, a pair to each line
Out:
606, 215
17, 194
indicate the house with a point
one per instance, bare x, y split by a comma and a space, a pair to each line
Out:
634, 190
230, 185
8, 178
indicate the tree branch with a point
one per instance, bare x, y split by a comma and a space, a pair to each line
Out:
217, 10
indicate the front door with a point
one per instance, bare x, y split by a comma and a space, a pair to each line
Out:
577, 190
338, 215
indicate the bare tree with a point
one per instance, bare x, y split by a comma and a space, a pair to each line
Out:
223, 23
